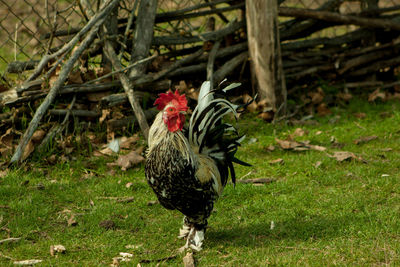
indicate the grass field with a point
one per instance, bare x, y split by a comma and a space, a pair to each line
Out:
324, 212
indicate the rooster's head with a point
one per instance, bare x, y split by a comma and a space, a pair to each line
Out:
174, 107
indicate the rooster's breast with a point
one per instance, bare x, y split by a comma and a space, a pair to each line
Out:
172, 178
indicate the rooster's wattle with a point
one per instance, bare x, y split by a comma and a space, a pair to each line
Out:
188, 169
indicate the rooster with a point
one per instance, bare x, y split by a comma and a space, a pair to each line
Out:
188, 169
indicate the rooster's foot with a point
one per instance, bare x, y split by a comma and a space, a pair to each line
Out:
194, 240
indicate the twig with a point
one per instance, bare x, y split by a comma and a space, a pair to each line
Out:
128, 88
128, 26
68, 46
338, 18
229, 66
60, 81
123, 69
256, 181
208, 36
59, 128
10, 240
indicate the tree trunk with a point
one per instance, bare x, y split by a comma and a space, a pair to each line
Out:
265, 52
143, 35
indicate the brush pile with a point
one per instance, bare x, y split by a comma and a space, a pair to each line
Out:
88, 80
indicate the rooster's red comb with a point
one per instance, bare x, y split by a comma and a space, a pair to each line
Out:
179, 101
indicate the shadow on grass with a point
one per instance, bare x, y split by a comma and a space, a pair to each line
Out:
295, 229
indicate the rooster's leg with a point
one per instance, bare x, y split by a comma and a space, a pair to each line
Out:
189, 237
196, 240
184, 231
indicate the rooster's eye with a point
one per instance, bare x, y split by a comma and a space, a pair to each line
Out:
170, 109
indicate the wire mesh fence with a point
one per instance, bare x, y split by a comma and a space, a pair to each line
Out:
28, 27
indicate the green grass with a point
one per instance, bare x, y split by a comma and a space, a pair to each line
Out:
341, 213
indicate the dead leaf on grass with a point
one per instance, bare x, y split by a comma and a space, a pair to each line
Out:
188, 260
364, 139
27, 262
298, 146
276, 161
344, 96
317, 97
323, 110
375, 95
104, 114
270, 148
129, 160
317, 164
341, 156
3, 173
107, 224
54, 249
71, 221
253, 106
127, 142
360, 115
298, 132
266, 116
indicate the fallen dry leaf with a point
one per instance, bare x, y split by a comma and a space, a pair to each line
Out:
129, 160
317, 164
317, 97
127, 142
54, 249
287, 144
360, 115
181, 87
253, 106
129, 185
344, 96
27, 262
106, 151
276, 161
323, 110
3, 173
188, 260
270, 148
266, 116
107, 224
298, 146
98, 96
364, 139
375, 95
104, 114
75, 77
71, 221
28, 150
318, 148
341, 156
298, 132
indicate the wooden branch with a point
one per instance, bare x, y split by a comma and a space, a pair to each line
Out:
156, 76
167, 18
229, 66
338, 18
57, 129
174, 13
75, 112
21, 66
143, 36
68, 46
256, 181
208, 36
59, 82
128, 121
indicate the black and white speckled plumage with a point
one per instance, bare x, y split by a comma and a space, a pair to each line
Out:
188, 171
